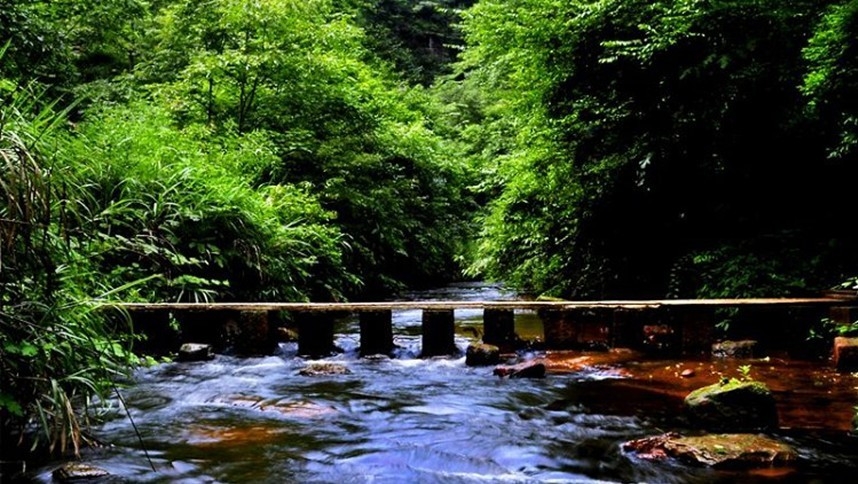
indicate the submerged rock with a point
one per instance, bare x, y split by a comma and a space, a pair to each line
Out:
78, 471
527, 369
735, 349
732, 405
324, 369
195, 352
481, 354
723, 451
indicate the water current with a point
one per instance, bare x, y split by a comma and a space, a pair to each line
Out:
407, 419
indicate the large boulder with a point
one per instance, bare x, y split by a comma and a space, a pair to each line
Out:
733, 406
480, 354
722, 451
527, 369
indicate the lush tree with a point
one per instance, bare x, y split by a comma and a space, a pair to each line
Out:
419, 38
624, 179
346, 127
832, 78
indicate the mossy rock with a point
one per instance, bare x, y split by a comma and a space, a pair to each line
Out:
721, 451
481, 354
732, 405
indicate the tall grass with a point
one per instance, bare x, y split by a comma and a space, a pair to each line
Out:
126, 206
56, 351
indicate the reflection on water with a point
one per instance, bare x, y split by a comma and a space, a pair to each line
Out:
403, 420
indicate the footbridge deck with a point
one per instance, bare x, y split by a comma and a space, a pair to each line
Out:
357, 307
688, 324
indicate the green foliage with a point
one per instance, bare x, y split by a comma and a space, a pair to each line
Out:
56, 346
745, 373
340, 126
174, 203
419, 38
643, 134
832, 77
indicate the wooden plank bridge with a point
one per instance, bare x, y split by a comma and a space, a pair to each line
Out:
250, 327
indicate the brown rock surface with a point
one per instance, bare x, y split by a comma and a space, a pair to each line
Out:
723, 451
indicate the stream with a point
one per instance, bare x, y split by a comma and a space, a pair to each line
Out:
406, 419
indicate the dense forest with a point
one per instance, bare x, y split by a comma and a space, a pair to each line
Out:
346, 149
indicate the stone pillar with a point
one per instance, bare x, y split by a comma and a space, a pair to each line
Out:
561, 332
213, 327
844, 315
376, 333
696, 328
161, 338
499, 327
627, 329
253, 334
661, 335
315, 334
438, 333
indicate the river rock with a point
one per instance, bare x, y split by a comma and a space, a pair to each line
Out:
722, 451
527, 369
324, 369
286, 335
732, 405
735, 349
481, 354
195, 352
78, 471
846, 353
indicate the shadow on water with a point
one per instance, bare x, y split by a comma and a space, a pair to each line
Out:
410, 420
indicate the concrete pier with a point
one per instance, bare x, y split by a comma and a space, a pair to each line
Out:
315, 334
438, 333
499, 328
376, 333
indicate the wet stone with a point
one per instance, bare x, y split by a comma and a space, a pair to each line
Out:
480, 354
195, 352
733, 406
743, 349
324, 369
687, 373
721, 451
78, 471
846, 354
527, 369
286, 335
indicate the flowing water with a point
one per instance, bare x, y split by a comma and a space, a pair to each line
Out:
407, 419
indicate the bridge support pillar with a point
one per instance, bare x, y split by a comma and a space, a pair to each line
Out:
576, 329
438, 333
315, 334
376, 333
161, 337
696, 327
559, 331
253, 334
843, 315
626, 329
499, 328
